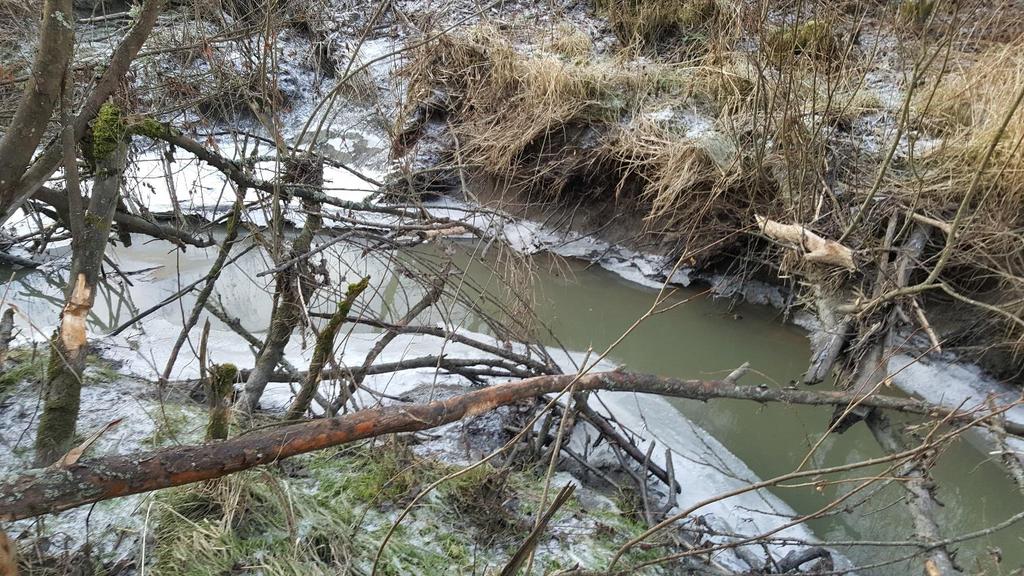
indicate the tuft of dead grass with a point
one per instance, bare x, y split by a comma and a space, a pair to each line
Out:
647, 23
668, 142
968, 112
571, 42
780, 113
686, 179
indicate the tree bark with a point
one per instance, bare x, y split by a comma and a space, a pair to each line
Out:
219, 385
8, 556
39, 99
50, 159
53, 490
69, 345
126, 222
292, 290
6, 333
324, 350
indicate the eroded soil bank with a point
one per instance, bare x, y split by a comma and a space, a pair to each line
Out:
671, 128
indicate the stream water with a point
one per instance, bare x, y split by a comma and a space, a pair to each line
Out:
707, 338
585, 307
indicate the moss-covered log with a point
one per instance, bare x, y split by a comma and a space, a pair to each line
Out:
39, 492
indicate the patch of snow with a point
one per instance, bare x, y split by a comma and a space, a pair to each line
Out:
113, 527
955, 384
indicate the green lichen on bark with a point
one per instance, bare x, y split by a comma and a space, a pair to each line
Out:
355, 289
324, 349
62, 393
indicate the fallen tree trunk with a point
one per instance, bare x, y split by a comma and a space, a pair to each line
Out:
129, 223
921, 501
54, 489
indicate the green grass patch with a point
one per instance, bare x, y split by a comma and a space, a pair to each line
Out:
23, 365
330, 511
174, 423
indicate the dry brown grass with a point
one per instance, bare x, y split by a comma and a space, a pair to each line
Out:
515, 110
645, 24
520, 114
571, 42
969, 112
614, 128
686, 179
23, 9
786, 110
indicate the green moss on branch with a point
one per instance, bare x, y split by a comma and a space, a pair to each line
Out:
151, 128
219, 387
107, 131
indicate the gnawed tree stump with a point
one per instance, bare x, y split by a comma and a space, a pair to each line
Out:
62, 390
220, 386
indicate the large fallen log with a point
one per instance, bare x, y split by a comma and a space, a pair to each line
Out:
54, 489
